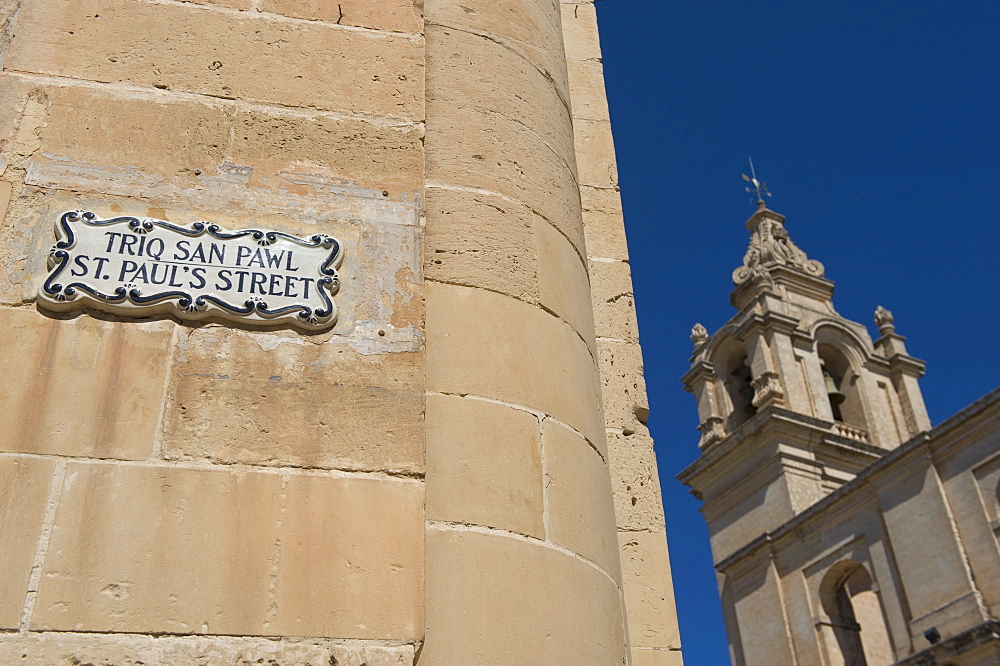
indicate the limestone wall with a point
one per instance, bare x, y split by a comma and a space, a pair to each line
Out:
652, 618
440, 475
208, 480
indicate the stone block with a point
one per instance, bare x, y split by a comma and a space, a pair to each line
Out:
595, 153
496, 600
581, 513
531, 28
563, 284
494, 346
397, 16
245, 397
82, 386
107, 130
649, 594
110, 127
580, 35
179, 550
614, 304
586, 88
352, 559
26, 484
482, 241
289, 152
603, 223
248, 56
45, 649
624, 388
505, 84
482, 150
484, 465
638, 503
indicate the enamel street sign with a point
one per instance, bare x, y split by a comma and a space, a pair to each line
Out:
139, 267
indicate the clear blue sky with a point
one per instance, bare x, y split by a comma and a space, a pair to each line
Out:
875, 124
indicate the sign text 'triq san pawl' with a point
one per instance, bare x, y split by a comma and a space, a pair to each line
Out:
136, 266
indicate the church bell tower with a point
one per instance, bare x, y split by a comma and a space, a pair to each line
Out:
793, 399
844, 529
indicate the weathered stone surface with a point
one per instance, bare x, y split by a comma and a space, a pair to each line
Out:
581, 514
46, 649
603, 223
652, 618
579, 28
638, 504
167, 549
531, 28
614, 304
245, 397
494, 346
485, 465
7, 11
506, 84
300, 153
5, 191
586, 81
110, 127
25, 482
624, 388
562, 281
595, 153
80, 387
496, 600
654, 657
481, 241
482, 150
269, 149
242, 5
248, 56
399, 15
352, 556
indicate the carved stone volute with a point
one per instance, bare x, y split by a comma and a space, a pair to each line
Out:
770, 246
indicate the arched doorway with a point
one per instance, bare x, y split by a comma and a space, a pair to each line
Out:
856, 618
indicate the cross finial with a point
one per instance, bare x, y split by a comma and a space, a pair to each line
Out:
758, 188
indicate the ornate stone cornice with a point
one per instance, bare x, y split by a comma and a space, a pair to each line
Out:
769, 247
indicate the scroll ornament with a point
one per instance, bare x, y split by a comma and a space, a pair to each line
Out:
770, 246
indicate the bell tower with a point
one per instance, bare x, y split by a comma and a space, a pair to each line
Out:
794, 400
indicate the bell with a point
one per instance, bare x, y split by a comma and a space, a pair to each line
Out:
746, 389
836, 397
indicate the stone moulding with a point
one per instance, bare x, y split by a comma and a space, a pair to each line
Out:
141, 267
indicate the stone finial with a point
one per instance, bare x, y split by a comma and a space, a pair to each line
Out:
698, 334
770, 246
884, 321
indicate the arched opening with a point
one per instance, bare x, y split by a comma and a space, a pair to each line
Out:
842, 387
738, 381
859, 630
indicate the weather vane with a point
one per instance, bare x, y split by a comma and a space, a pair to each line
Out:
757, 188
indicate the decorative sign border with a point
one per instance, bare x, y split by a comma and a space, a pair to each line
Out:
62, 292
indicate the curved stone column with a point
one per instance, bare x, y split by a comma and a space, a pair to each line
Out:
522, 557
